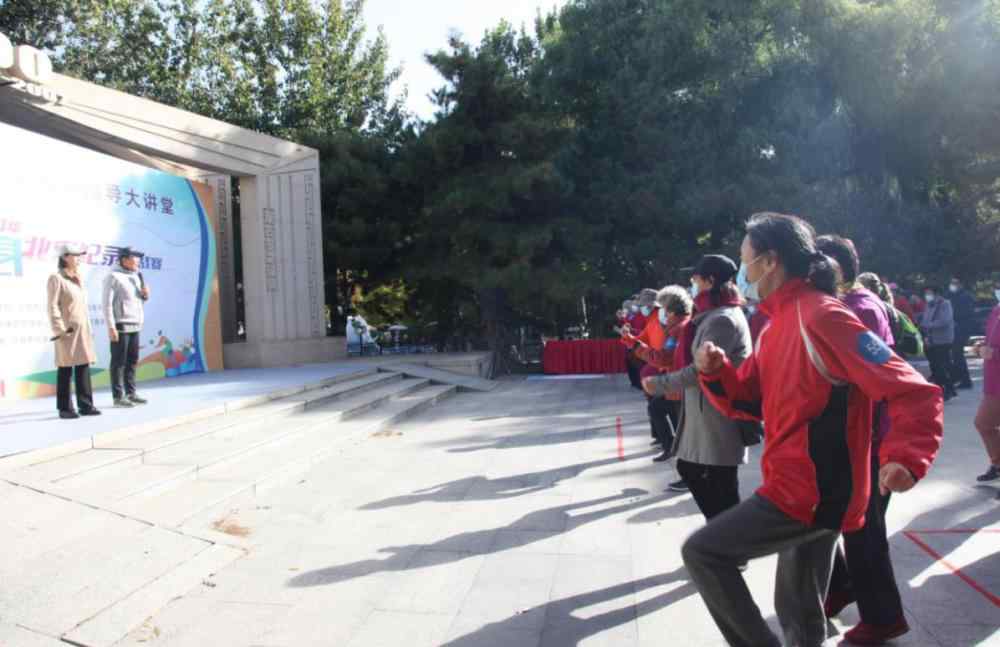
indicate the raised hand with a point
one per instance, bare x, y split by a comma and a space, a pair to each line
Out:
709, 358
893, 477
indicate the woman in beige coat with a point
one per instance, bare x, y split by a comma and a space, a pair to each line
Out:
70, 321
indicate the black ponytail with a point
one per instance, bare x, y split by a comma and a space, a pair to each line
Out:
823, 273
793, 241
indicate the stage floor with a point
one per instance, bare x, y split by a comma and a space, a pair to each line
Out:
34, 424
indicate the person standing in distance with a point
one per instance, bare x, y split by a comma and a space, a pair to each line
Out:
125, 293
938, 326
963, 306
70, 321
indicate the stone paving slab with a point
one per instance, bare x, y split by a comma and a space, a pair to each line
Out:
27, 425
509, 519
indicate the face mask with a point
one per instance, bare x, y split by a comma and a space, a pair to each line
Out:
996, 293
646, 310
693, 290
750, 291
953, 288
928, 298
635, 308
663, 317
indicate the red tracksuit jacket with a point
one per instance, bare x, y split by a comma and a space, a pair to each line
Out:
812, 379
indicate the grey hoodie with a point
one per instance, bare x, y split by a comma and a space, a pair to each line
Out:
123, 303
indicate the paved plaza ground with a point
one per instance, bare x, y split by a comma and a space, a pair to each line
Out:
509, 519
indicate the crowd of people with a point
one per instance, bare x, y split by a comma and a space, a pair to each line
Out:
795, 347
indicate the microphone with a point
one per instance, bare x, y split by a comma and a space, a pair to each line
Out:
69, 331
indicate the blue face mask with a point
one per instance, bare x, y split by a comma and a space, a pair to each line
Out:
747, 289
693, 290
663, 317
646, 311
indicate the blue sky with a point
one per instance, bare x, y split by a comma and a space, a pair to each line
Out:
415, 27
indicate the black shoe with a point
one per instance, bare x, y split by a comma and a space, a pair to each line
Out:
948, 395
665, 456
90, 412
679, 486
134, 399
965, 385
989, 475
122, 403
69, 415
654, 442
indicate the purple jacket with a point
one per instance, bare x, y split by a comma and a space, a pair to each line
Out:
873, 314
991, 367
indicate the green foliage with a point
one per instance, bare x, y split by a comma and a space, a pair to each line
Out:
597, 155
284, 67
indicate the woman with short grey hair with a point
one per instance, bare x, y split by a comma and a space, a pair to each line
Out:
674, 313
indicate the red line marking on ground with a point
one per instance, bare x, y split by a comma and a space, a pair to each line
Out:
621, 439
912, 535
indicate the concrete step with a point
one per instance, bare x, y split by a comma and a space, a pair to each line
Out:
276, 409
306, 450
55, 591
441, 376
112, 624
338, 391
175, 463
260, 470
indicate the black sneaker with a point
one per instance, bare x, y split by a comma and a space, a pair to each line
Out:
679, 486
69, 415
90, 412
654, 442
665, 456
134, 399
991, 474
965, 385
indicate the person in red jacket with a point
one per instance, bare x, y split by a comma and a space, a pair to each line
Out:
642, 309
674, 314
813, 378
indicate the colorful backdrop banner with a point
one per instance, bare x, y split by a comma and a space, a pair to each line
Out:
55, 193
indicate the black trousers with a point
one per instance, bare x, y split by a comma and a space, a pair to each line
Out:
84, 391
863, 567
124, 357
633, 365
939, 357
959, 365
663, 419
715, 488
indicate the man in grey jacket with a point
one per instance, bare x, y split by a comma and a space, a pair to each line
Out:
125, 292
938, 326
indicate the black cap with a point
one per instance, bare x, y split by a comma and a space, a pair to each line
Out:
716, 266
128, 252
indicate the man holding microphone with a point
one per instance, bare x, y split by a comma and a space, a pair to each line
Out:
125, 292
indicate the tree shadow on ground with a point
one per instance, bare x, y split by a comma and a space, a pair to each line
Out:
542, 439
482, 488
570, 629
556, 519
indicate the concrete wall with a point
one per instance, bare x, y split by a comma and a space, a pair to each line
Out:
283, 254
277, 354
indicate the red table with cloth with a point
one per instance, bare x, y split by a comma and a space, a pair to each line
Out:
583, 357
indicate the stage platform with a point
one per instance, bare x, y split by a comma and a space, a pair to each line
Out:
27, 425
